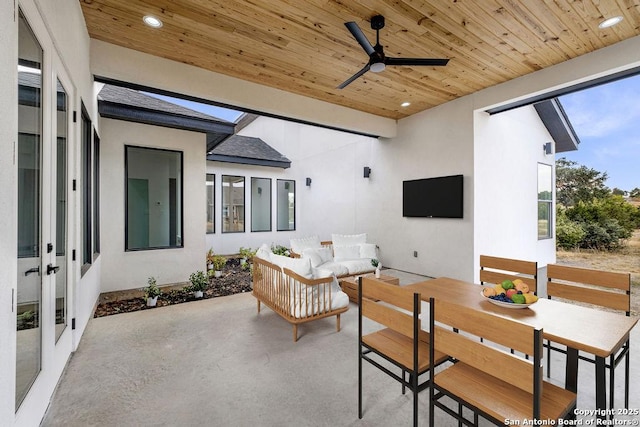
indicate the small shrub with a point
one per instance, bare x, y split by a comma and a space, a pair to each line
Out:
199, 282
152, 290
569, 233
219, 262
280, 250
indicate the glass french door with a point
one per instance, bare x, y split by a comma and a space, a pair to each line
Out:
43, 338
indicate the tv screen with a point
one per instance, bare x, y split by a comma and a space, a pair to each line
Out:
439, 197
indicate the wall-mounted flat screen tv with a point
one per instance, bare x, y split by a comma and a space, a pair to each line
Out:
439, 197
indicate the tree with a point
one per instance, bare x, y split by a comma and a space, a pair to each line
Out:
618, 192
635, 193
578, 183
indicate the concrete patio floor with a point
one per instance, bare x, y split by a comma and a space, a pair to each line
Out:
217, 362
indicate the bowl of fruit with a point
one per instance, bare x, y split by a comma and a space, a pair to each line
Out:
510, 294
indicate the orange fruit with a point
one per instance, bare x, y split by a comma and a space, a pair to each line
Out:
488, 292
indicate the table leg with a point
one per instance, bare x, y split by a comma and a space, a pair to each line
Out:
571, 370
601, 387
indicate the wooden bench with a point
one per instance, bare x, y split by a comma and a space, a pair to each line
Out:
295, 298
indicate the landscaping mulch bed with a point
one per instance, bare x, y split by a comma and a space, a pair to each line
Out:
234, 280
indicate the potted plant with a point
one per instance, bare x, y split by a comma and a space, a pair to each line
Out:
151, 292
210, 256
245, 256
376, 263
218, 264
199, 283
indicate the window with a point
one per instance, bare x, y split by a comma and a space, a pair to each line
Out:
211, 204
260, 204
232, 204
86, 188
545, 202
286, 194
96, 194
154, 198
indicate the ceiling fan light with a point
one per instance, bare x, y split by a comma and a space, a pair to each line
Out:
405, 104
610, 22
376, 67
152, 21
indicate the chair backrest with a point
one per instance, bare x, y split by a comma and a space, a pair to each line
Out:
603, 288
495, 270
463, 345
391, 306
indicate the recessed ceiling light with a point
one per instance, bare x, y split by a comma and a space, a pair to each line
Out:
405, 104
610, 22
152, 21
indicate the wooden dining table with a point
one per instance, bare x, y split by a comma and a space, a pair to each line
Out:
580, 328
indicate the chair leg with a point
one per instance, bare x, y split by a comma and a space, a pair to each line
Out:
612, 381
403, 380
414, 383
295, 332
548, 359
338, 323
258, 305
626, 376
360, 382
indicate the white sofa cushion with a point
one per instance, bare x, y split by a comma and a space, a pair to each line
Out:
337, 268
300, 244
348, 239
321, 273
318, 256
368, 250
357, 266
342, 253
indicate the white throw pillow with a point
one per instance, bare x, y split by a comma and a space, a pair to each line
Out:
368, 250
321, 273
342, 253
264, 252
348, 239
313, 255
301, 266
326, 255
299, 245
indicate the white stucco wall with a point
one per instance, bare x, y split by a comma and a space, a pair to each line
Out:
129, 270
507, 150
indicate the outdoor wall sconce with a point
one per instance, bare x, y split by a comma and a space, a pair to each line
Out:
367, 171
547, 148
259, 190
308, 182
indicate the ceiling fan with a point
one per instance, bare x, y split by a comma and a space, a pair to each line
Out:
377, 58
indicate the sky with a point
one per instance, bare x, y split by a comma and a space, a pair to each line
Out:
606, 119
212, 110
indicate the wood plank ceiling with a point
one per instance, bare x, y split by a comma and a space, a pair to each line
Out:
304, 47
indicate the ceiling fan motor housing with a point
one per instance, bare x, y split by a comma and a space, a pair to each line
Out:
377, 22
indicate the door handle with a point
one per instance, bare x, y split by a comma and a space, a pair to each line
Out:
52, 269
32, 270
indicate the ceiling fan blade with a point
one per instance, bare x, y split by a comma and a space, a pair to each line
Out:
435, 62
357, 33
355, 76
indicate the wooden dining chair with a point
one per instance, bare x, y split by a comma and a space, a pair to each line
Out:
487, 379
399, 340
610, 290
496, 270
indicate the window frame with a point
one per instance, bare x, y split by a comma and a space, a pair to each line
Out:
87, 214
96, 195
179, 245
543, 201
244, 204
278, 204
270, 204
213, 199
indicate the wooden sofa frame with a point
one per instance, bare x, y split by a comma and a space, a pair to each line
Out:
279, 291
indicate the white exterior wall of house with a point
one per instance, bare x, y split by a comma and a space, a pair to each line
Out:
130, 269
332, 204
508, 148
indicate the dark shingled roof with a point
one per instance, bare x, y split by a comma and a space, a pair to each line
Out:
557, 123
133, 98
248, 150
